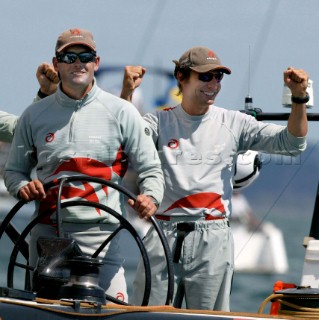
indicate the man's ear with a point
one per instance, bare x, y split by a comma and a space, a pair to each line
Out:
179, 76
97, 63
55, 63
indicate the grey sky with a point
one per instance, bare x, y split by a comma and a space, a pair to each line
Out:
276, 33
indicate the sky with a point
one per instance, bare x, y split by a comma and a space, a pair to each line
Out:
256, 39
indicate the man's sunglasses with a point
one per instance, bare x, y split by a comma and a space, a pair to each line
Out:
209, 76
70, 57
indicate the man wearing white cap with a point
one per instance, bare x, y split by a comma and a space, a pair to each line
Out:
82, 130
198, 143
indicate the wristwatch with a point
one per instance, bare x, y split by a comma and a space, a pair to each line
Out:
41, 95
300, 100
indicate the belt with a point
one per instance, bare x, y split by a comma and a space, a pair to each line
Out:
183, 228
186, 225
187, 218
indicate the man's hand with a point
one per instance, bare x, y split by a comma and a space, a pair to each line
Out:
32, 191
132, 79
297, 81
48, 78
144, 206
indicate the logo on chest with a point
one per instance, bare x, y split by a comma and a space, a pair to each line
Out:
49, 137
173, 144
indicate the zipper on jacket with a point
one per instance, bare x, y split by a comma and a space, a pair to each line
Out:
73, 118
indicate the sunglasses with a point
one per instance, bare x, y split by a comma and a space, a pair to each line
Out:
70, 57
208, 76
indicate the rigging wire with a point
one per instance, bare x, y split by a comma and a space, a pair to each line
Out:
262, 38
290, 180
155, 17
249, 70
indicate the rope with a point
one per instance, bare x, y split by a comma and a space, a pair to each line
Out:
305, 312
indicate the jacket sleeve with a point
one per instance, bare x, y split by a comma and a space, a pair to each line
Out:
20, 160
142, 153
270, 138
8, 123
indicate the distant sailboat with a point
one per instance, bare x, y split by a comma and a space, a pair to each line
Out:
259, 246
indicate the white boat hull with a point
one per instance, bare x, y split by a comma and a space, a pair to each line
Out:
259, 251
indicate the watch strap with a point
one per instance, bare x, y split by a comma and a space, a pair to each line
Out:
299, 100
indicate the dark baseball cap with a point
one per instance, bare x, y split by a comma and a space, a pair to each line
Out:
73, 37
201, 59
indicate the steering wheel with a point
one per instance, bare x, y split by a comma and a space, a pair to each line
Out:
20, 243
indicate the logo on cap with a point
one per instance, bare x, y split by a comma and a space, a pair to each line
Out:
75, 32
211, 55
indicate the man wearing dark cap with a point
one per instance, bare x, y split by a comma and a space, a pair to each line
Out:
198, 143
82, 130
